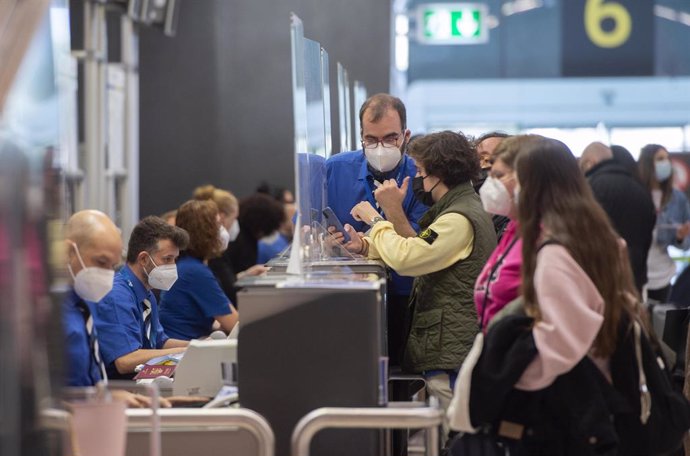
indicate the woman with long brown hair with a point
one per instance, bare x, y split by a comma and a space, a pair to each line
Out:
576, 280
672, 223
577, 375
195, 301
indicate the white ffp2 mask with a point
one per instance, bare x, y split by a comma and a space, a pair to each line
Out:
92, 283
383, 159
162, 277
495, 197
224, 237
234, 230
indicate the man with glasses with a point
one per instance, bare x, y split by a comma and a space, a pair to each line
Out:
380, 173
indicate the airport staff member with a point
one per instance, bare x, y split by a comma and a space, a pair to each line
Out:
354, 176
93, 251
446, 257
127, 320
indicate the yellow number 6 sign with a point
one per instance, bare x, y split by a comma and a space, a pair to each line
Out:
596, 12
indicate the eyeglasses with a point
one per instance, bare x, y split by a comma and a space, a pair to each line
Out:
389, 142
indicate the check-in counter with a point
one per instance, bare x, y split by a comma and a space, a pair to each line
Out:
335, 266
311, 344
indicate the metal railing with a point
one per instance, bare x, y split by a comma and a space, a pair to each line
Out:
392, 417
176, 419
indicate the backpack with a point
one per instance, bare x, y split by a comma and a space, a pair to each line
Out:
657, 415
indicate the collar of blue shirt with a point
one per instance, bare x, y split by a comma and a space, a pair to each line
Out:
139, 289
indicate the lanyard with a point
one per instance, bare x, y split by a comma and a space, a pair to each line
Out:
147, 332
371, 188
490, 278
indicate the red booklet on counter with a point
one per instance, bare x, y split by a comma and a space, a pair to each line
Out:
153, 371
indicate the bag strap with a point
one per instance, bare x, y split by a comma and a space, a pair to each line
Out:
645, 396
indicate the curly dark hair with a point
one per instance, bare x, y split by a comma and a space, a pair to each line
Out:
447, 155
148, 232
200, 219
260, 215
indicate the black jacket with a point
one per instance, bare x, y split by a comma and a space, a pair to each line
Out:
581, 413
572, 417
629, 207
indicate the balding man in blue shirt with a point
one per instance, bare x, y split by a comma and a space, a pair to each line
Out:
94, 250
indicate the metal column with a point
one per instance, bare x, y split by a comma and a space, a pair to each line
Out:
95, 104
129, 193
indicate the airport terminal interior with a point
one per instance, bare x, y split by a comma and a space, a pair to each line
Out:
392, 227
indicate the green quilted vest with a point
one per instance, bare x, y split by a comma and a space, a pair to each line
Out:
444, 318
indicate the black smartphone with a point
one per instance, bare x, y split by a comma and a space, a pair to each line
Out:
332, 220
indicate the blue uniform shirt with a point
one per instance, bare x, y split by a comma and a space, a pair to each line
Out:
81, 368
119, 319
190, 306
350, 181
270, 247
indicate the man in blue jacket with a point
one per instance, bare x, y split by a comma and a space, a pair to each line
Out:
127, 320
94, 247
381, 164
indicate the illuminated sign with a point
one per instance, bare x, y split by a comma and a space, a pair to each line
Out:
452, 23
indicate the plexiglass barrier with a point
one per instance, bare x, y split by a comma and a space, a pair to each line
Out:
30, 222
312, 118
360, 96
344, 117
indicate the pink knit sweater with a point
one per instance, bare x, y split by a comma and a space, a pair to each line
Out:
572, 313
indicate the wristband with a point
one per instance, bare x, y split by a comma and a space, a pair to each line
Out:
375, 220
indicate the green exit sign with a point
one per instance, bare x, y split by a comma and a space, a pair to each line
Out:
452, 23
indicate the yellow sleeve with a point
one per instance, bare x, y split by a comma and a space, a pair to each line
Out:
453, 238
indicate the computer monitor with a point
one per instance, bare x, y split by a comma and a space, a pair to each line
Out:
207, 365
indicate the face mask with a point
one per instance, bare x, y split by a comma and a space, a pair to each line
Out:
224, 238
383, 159
663, 170
422, 195
92, 283
495, 197
162, 277
234, 230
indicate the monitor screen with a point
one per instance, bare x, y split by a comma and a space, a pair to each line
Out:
206, 366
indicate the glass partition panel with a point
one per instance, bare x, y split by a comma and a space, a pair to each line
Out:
312, 134
360, 96
313, 84
313, 177
325, 81
344, 109
299, 105
30, 221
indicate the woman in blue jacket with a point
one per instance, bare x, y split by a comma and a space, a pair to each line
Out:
672, 222
195, 302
